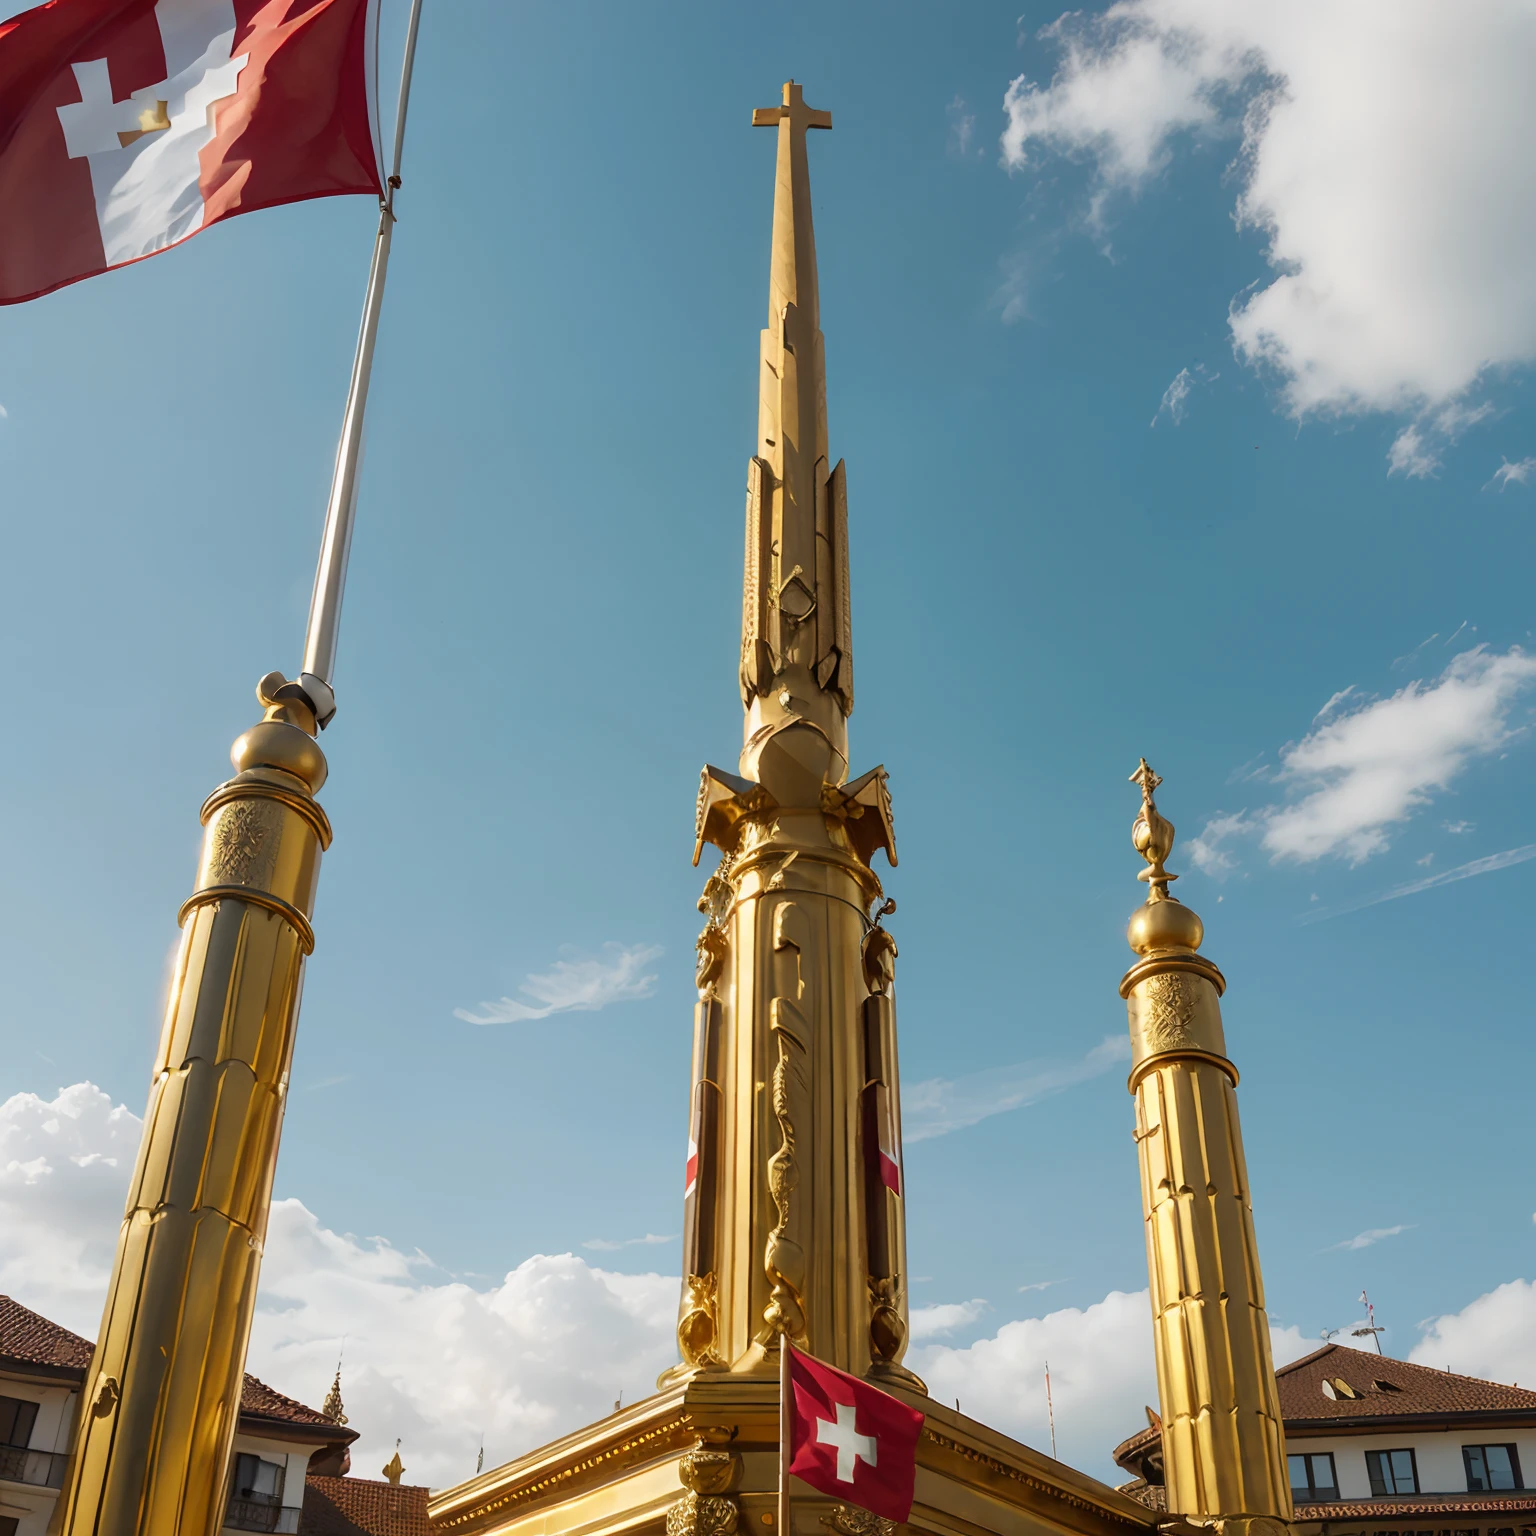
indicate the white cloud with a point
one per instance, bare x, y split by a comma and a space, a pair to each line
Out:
1518, 473
962, 125
1368, 764
940, 1105
1459, 828
943, 1317
612, 1245
428, 1358
1382, 158
1375, 765
1174, 398
1102, 1372
1207, 853
3, 413
1039, 1285
575, 986
1493, 1337
1485, 866
64, 1167
1368, 1238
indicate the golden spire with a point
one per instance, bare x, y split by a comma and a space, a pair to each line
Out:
394, 1468
796, 651
1223, 1444
332, 1406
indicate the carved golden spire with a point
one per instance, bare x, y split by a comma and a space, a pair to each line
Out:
796, 642
332, 1406
394, 1468
1223, 1444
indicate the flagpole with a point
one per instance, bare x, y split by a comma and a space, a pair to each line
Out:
158, 1409
317, 675
785, 1424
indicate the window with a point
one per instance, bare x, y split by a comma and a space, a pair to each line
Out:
1313, 1480
1491, 1468
261, 1482
1392, 1472
16, 1420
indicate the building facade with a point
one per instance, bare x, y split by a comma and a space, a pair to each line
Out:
1381, 1447
42, 1367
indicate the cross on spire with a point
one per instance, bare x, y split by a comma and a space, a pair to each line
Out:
800, 116
844, 1437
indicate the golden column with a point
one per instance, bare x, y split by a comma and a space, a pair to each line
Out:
158, 1412
794, 1218
1223, 1441
159, 1409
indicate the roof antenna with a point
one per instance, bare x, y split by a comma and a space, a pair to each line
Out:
1050, 1409
1370, 1330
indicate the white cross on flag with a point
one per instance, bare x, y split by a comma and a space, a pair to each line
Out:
850, 1440
128, 125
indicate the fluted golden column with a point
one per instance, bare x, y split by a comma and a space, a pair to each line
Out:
158, 1412
1223, 1441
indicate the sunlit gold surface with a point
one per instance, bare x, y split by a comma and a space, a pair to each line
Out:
638, 1471
1223, 1445
159, 1410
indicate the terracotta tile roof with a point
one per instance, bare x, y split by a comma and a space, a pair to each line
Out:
1386, 1388
358, 1506
28, 1337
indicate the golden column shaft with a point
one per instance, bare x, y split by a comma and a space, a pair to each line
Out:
794, 1221
158, 1413
1223, 1438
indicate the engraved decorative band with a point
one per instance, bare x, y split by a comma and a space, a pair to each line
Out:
213, 893
237, 789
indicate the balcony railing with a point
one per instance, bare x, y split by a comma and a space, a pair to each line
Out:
260, 1515
43, 1469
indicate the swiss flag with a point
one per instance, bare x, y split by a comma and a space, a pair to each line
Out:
128, 125
850, 1440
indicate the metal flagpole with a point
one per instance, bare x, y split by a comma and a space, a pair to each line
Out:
785, 1424
317, 675
157, 1416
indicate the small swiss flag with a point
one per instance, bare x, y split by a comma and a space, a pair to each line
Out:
128, 125
850, 1440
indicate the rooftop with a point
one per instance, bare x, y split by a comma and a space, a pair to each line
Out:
1336, 1385
358, 1506
28, 1338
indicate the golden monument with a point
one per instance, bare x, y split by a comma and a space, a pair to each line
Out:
795, 1218
795, 1222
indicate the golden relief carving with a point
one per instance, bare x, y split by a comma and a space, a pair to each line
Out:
243, 843
784, 1259
698, 1328
708, 1472
879, 955
849, 1520
1167, 1013
887, 1327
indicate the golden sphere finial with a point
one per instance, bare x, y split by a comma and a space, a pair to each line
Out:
1163, 922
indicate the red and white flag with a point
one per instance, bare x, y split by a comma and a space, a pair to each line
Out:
128, 125
849, 1440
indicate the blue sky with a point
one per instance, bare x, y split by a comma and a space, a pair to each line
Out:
1160, 441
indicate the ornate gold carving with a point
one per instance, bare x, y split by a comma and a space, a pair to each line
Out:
1168, 1012
698, 1327
708, 1472
243, 843
879, 955
1151, 833
784, 1259
849, 1520
887, 1327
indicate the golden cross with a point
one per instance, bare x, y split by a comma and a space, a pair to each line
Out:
800, 116
1147, 779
